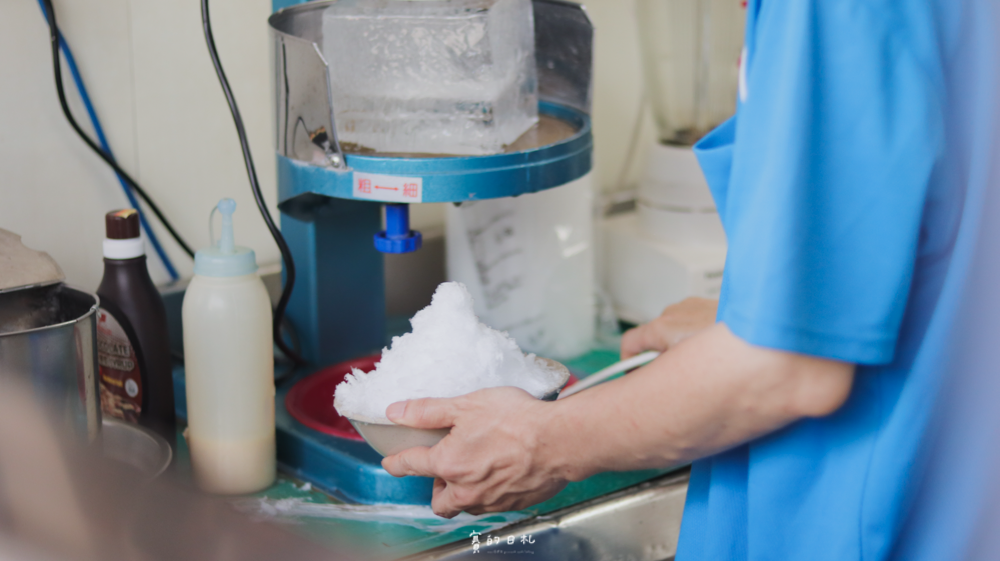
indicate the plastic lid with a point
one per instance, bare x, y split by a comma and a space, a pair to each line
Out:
122, 224
225, 259
122, 239
21, 267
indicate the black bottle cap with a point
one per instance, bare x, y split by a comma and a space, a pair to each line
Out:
122, 224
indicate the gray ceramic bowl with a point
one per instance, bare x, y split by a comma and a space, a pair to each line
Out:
389, 438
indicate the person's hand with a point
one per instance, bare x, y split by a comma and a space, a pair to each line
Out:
678, 322
492, 461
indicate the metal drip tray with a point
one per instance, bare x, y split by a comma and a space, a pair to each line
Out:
547, 131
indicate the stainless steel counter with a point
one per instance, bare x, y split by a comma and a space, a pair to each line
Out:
641, 523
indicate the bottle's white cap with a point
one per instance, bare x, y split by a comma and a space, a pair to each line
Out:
225, 259
124, 249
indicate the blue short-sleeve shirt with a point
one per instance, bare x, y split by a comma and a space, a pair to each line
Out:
842, 209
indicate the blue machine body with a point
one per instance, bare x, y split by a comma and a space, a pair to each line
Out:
451, 179
349, 469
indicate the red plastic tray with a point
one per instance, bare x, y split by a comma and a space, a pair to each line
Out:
310, 401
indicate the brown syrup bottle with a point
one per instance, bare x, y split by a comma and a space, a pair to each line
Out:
133, 342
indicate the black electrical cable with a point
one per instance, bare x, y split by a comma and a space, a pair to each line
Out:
50, 14
286, 254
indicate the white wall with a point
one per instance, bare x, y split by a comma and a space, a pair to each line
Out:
618, 89
149, 76
152, 83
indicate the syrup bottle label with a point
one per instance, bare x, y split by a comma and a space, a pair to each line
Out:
121, 379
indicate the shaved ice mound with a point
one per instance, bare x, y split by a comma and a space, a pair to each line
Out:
449, 353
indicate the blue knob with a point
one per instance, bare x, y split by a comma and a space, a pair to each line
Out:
397, 236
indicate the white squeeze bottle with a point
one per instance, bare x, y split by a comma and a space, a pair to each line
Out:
229, 364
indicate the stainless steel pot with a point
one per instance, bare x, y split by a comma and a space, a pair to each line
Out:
48, 341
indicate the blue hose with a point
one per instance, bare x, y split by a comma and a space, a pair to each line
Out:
103, 141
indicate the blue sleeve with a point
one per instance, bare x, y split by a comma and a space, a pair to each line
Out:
835, 144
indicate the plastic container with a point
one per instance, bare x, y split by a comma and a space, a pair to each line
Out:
691, 53
229, 364
674, 203
528, 262
133, 344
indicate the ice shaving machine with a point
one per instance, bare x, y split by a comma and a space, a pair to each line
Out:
332, 199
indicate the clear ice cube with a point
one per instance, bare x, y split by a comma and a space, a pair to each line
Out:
432, 76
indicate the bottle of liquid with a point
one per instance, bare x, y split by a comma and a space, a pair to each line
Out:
229, 365
132, 339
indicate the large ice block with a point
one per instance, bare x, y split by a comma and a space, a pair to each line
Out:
432, 76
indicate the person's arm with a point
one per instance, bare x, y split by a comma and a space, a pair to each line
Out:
507, 450
710, 393
677, 323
